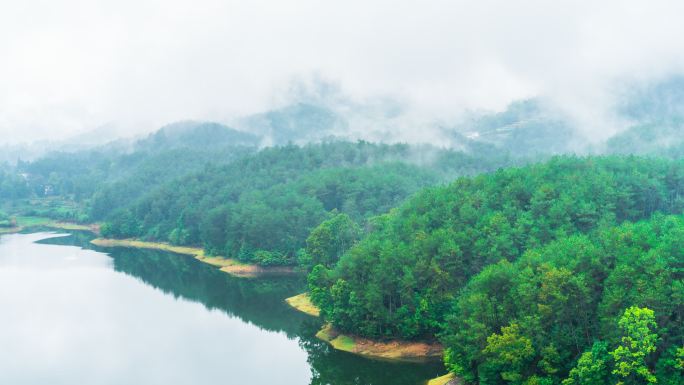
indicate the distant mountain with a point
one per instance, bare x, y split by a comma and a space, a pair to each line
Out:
297, 123
649, 139
196, 135
525, 128
655, 102
656, 111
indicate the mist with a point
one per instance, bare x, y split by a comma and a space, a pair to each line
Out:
394, 72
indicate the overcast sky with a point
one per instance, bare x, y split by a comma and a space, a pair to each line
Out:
67, 66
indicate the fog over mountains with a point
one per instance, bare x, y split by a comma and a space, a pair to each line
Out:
130, 67
648, 118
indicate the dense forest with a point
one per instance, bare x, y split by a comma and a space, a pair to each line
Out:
585, 309
447, 264
399, 279
530, 268
167, 154
207, 185
261, 208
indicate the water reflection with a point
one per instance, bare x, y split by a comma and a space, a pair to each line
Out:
251, 312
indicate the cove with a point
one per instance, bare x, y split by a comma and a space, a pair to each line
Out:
75, 313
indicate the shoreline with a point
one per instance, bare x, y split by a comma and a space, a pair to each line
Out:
23, 223
447, 379
302, 302
394, 350
93, 228
227, 265
10, 230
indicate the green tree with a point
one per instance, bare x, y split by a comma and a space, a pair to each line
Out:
321, 298
638, 341
670, 367
592, 367
329, 240
509, 353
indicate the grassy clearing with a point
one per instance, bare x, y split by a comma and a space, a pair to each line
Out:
390, 350
302, 302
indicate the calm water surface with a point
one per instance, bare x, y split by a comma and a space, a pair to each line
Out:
76, 314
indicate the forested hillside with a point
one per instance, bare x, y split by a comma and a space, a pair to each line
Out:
195, 135
169, 153
205, 184
399, 279
86, 185
404, 277
342, 193
655, 139
261, 208
526, 128
656, 119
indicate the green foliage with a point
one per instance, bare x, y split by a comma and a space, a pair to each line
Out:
125, 224
670, 367
271, 201
592, 367
638, 342
518, 272
329, 240
404, 274
115, 174
508, 354
570, 293
317, 278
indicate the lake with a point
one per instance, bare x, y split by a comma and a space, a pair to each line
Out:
73, 313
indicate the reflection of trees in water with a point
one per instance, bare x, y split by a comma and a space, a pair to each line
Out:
257, 301
260, 302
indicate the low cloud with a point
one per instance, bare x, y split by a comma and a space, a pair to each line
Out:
71, 66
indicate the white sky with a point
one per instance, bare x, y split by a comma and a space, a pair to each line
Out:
67, 66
